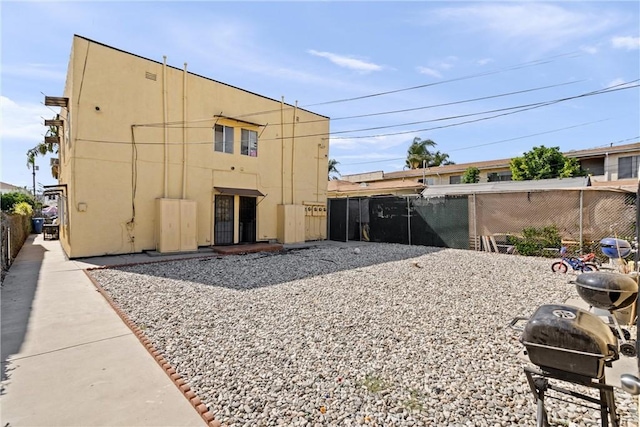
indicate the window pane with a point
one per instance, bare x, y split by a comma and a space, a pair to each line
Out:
219, 138
228, 139
249, 143
455, 179
223, 139
244, 142
625, 167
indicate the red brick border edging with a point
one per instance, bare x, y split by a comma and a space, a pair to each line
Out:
176, 378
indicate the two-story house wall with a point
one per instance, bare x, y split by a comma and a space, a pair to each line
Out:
154, 157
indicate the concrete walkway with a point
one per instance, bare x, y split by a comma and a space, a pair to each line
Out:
68, 359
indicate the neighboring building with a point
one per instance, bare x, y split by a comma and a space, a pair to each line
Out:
153, 157
604, 165
8, 188
338, 188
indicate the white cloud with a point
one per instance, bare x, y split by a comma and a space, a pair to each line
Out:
445, 64
369, 148
484, 61
429, 72
231, 45
628, 42
591, 50
542, 25
615, 82
22, 122
347, 62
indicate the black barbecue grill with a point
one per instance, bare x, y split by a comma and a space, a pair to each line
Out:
606, 290
573, 345
610, 291
562, 338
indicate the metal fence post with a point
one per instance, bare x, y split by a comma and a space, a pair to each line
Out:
360, 218
475, 223
328, 230
346, 233
409, 220
581, 219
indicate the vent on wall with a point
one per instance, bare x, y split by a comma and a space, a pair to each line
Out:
150, 76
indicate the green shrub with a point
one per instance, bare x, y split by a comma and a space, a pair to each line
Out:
9, 200
534, 240
23, 208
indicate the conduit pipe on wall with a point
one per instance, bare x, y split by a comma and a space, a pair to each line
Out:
282, 144
293, 152
318, 175
164, 125
184, 133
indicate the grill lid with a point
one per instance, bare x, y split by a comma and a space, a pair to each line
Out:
615, 248
569, 328
606, 290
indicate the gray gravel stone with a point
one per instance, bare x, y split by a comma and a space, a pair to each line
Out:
389, 335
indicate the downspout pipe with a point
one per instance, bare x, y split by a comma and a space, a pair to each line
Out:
184, 133
293, 152
282, 144
164, 126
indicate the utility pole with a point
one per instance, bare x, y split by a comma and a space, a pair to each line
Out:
34, 168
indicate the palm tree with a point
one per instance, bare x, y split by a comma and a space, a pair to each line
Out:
42, 149
333, 169
418, 153
439, 159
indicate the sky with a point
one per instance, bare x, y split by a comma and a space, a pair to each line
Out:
483, 80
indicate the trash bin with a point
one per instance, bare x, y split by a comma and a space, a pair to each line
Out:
37, 223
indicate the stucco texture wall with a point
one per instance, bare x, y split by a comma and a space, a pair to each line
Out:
115, 157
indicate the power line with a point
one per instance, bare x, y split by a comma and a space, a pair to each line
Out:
470, 76
499, 142
518, 109
179, 124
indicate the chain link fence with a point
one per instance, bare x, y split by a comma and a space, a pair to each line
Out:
578, 219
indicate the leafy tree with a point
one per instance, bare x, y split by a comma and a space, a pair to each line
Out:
544, 163
419, 156
10, 200
471, 175
333, 170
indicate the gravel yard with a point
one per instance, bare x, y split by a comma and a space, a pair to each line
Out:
384, 335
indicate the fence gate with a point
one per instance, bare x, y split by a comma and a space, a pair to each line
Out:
337, 223
440, 221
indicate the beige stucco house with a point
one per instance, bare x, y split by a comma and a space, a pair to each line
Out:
154, 157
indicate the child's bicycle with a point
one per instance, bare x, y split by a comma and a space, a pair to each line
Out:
583, 263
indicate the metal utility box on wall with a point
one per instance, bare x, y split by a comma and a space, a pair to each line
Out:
176, 225
315, 220
291, 223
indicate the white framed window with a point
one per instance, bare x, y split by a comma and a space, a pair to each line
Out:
628, 167
223, 139
249, 143
499, 176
